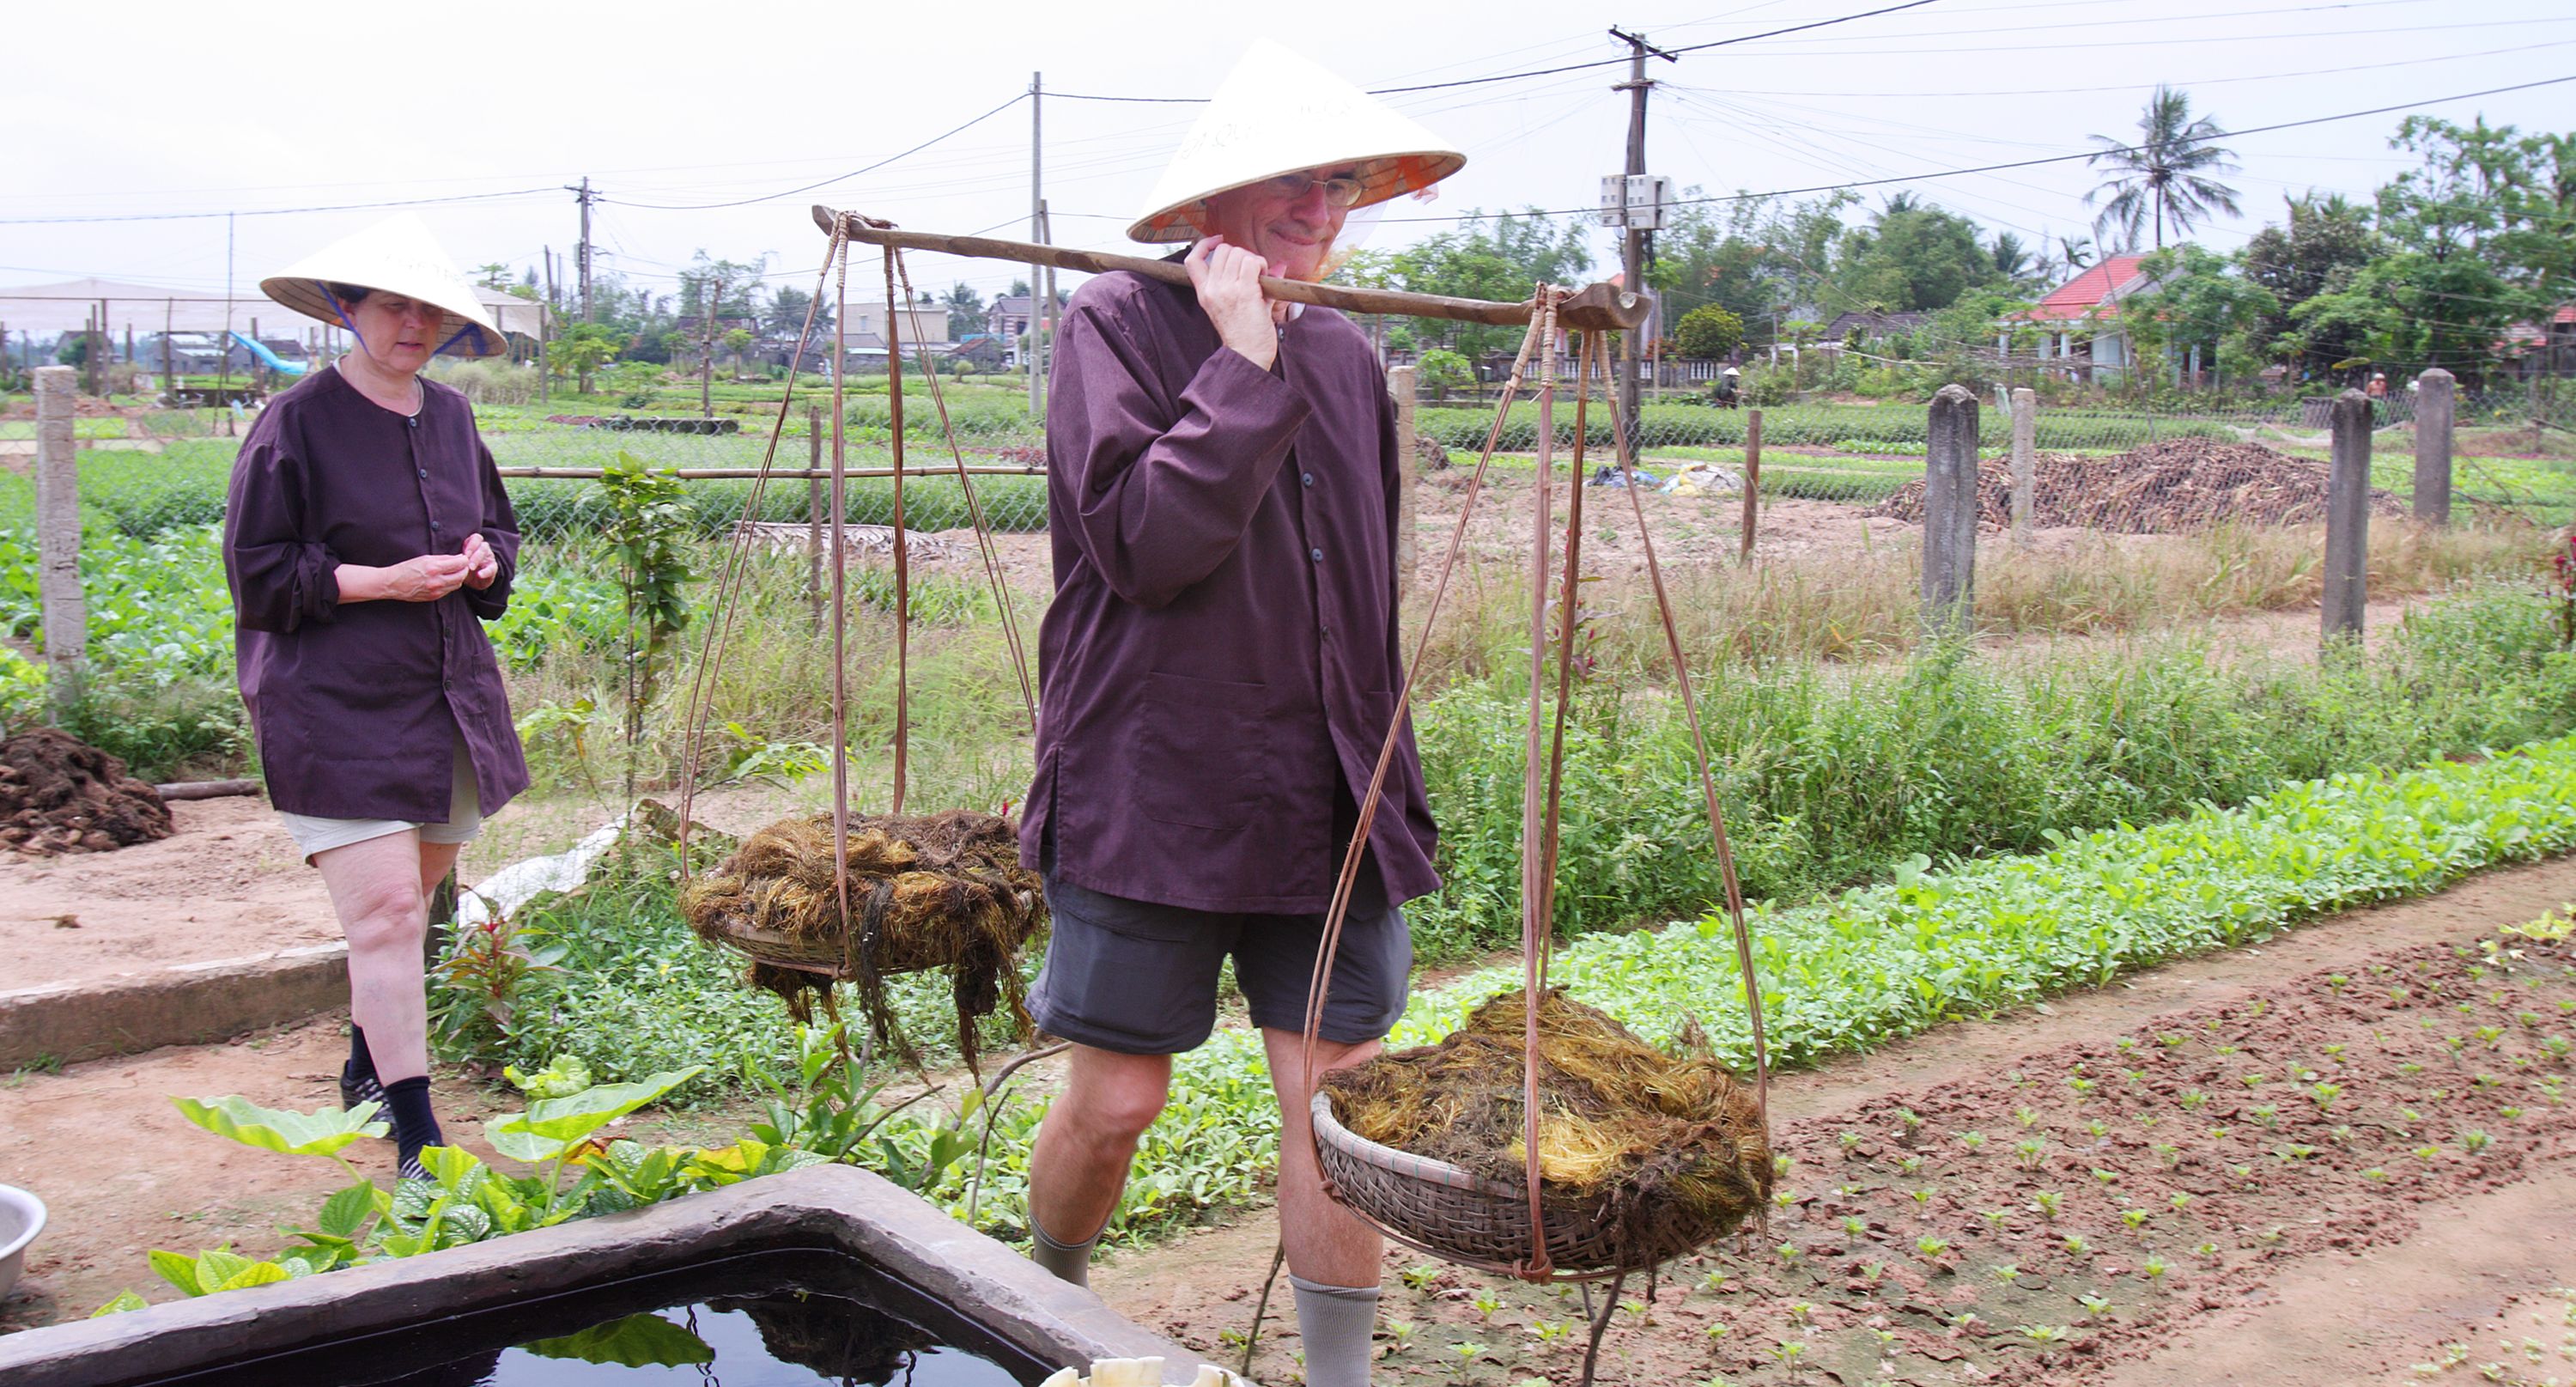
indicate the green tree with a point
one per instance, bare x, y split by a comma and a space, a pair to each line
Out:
965, 311
2321, 245
2200, 300
738, 341
1708, 333
1910, 256
2170, 173
1504, 257
786, 315
1754, 257
2456, 272
583, 349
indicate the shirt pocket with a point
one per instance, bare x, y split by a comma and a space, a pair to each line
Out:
1200, 751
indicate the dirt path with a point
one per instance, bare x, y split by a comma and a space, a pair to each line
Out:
2315, 1243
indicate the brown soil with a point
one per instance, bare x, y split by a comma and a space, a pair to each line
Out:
228, 883
59, 794
2162, 488
2316, 1244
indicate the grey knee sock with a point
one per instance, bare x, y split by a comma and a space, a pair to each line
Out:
1063, 1261
1335, 1322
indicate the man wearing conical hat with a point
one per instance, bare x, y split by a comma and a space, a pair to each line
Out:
366, 540
1220, 667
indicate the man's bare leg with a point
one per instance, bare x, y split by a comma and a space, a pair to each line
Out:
1332, 1256
1084, 1150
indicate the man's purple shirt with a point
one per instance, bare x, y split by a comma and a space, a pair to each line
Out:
1220, 665
357, 708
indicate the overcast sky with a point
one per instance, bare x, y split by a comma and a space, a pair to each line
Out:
148, 109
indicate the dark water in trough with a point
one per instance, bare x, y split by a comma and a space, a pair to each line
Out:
771, 1319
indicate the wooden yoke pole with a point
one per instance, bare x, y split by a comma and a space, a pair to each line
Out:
1602, 307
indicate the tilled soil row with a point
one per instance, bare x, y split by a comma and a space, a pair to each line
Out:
2077, 1206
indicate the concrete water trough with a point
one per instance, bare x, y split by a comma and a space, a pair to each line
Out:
834, 1231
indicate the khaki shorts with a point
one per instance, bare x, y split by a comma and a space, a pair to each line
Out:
464, 818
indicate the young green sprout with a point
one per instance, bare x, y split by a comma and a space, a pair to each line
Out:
2180, 1202
2154, 1268
2007, 1273
2135, 1218
1996, 1218
2075, 1246
2044, 1334
1419, 1277
1931, 1246
1486, 1304
2095, 1307
2046, 1202
2267, 1114
1972, 1140
1854, 1227
2474, 1141
2107, 1177
2029, 1154
2325, 1094
1800, 1312
1402, 1331
2026, 1117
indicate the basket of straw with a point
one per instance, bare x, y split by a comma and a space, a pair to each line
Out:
933, 891
1642, 1157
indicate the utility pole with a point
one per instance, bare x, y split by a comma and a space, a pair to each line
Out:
581, 256
1633, 244
1034, 356
545, 332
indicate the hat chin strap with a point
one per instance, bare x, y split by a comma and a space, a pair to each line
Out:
474, 328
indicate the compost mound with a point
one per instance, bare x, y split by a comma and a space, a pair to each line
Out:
926, 891
1629, 1136
2177, 485
59, 794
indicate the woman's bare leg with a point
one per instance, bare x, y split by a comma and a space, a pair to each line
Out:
376, 890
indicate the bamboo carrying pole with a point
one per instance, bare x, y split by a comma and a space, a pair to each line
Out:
1600, 307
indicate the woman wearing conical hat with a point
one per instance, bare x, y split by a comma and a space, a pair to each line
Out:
366, 539
1220, 664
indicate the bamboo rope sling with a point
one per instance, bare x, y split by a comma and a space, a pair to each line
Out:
946, 888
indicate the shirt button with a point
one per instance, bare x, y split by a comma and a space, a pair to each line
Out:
1306, 478
424, 474
1316, 554
433, 527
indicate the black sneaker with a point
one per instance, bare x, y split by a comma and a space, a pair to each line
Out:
410, 1168
361, 1088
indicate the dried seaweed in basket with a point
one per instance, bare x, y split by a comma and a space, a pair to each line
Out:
928, 891
1648, 1140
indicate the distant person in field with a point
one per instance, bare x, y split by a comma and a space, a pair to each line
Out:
1220, 669
367, 539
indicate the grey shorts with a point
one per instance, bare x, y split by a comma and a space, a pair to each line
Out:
315, 835
1141, 979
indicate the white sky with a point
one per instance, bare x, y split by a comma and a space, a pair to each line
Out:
150, 108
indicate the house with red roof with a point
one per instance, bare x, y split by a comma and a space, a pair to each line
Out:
2542, 349
2079, 321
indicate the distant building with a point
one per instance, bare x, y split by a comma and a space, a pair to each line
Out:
2081, 334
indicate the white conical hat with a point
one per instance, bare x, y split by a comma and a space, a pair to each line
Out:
399, 256
1278, 113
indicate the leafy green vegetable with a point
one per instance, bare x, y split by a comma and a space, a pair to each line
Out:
637, 1341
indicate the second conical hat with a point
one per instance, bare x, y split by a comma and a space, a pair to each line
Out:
1279, 113
396, 256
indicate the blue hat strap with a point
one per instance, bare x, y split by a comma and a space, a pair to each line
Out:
474, 328
343, 314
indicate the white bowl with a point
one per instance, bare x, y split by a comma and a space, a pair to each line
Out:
22, 1217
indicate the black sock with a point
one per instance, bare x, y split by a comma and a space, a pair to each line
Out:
414, 1127
361, 1065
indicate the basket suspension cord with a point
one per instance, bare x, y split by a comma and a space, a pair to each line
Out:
902, 544
840, 597
984, 542
1535, 877
1707, 780
1318, 984
725, 603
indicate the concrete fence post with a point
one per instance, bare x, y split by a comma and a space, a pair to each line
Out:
2436, 404
1404, 383
2348, 519
2025, 458
58, 581
1950, 513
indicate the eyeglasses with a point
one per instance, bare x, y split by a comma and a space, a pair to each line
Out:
1340, 191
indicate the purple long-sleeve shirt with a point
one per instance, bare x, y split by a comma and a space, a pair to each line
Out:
1220, 664
357, 707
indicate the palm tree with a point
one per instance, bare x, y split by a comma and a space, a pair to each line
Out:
2076, 251
2011, 257
2170, 173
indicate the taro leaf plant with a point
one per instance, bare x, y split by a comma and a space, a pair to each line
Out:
465, 1200
649, 524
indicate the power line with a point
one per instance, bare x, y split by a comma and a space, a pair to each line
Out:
1016, 99
2141, 86
274, 211
1538, 72
2032, 163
